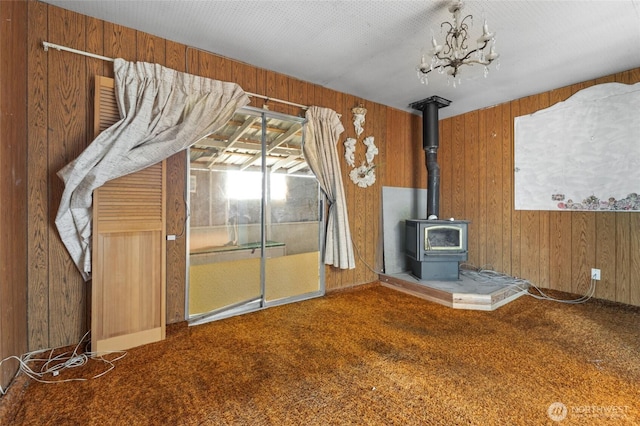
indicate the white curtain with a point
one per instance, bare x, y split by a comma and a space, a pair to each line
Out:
323, 131
163, 111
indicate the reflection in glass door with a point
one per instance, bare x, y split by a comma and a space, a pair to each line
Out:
293, 217
254, 227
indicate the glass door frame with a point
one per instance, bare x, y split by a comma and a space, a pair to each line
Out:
255, 304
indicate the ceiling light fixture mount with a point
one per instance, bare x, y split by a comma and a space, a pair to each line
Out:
455, 51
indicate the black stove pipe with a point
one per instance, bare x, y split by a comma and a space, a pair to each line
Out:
430, 144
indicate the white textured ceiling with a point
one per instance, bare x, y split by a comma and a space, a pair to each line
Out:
370, 48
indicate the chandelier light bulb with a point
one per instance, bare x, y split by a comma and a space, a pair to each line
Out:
486, 34
492, 52
436, 47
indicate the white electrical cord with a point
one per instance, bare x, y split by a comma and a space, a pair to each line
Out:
52, 365
486, 275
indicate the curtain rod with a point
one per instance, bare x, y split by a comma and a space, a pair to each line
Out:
46, 45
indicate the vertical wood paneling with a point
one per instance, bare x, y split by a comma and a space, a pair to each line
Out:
94, 41
150, 48
416, 163
222, 68
206, 65
308, 93
560, 229
269, 88
606, 255
261, 87
68, 127
629, 77
494, 188
457, 176
37, 170
552, 249
544, 238
529, 220
408, 149
583, 253
281, 91
175, 55
298, 95
481, 208
191, 60
445, 161
369, 242
176, 225
405, 151
627, 278
623, 257
65, 101
634, 250
58, 108
176, 210
414, 137
507, 187
375, 204
358, 221
395, 135
245, 76
469, 161
560, 239
516, 216
13, 185
119, 42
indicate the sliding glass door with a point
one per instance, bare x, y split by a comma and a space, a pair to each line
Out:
292, 220
255, 224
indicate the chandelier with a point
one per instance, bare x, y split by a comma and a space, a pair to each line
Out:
455, 51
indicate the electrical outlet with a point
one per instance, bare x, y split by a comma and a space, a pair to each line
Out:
595, 274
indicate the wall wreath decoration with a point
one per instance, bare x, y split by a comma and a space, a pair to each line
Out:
363, 175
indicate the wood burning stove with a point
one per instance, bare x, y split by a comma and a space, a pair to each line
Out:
434, 247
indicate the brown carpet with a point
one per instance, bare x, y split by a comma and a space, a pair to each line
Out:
370, 356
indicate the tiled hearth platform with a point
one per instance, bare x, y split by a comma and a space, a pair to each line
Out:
464, 293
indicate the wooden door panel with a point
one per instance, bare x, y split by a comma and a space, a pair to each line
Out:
129, 240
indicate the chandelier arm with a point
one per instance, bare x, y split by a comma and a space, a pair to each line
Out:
428, 70
463, 31
441, 56
466, 59
465, 37
477, 61
447, 23
465, 18
425, 70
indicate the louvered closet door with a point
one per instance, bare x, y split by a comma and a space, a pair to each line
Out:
129, 239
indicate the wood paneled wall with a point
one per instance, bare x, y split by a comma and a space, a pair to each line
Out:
13, 186
553, 250
60, 126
